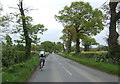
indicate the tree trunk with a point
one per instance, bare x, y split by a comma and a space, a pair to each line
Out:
86, 47
27, 39
28, 48
69, 42
77, 41
69, 46
114, 51
63, 46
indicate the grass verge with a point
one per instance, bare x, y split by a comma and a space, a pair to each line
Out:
109, 68
20, 72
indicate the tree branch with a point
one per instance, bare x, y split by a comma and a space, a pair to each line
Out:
113, 6
13, 7
118, 16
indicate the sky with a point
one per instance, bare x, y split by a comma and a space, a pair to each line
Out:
44, 13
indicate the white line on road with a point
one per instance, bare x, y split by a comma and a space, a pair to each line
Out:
67, 71
59, 63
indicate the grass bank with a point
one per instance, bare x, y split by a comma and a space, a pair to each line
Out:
20, 72
109, 68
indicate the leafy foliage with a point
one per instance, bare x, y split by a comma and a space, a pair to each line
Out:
49, 46
34, 31
8, 40
84, 19
87, 42
81, 14
11, 55
3, 18
69, 35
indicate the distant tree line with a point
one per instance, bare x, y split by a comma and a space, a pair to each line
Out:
48, 46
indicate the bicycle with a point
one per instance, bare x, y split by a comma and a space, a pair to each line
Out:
41, 64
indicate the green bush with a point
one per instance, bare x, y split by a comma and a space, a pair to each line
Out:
87, 55
8, 54
12, 55
20, 72
94, 56
19, 56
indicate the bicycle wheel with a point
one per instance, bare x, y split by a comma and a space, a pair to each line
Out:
41, 64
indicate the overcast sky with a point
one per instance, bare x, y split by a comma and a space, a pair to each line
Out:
46, 10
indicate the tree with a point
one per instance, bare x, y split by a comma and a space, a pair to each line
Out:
112, 11
25, 30
87, 42
34, 32
114, 47
63, 38
29, 32
106, 10
59, 47
102, 48
4, 23
35, 47
48, 46
3, 18
8, 40
84, 19
68, 32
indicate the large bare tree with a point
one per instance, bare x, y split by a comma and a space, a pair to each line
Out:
25, 30
114, 48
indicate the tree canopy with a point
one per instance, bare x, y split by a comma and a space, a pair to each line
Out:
86, 20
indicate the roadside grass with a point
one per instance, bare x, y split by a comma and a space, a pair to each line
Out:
109, 68
20, 72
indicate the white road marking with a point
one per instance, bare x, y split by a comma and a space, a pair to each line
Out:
60, 63
87, 75
67, 71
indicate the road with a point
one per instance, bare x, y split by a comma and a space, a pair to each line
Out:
60, 69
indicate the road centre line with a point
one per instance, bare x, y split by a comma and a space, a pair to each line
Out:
60, 63
67, 70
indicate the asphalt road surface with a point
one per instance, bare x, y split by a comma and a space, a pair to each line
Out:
60, 69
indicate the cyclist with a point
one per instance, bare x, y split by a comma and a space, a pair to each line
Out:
42, 56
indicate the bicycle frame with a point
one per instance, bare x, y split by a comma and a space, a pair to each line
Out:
41, 64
